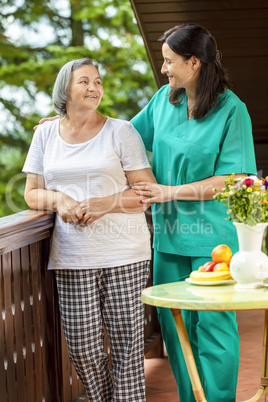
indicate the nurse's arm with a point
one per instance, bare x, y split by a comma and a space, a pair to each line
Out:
202, 190
38, 197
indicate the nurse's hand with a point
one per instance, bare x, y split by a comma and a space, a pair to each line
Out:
154, 193
47, 119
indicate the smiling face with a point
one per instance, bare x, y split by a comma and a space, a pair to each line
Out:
85, 89
181, 73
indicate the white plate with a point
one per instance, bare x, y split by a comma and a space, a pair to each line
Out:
210, 283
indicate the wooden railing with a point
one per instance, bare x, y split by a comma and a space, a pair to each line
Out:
34, 362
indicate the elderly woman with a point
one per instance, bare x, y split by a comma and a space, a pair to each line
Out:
81, 167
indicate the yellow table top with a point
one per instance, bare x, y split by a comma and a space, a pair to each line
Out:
195, 297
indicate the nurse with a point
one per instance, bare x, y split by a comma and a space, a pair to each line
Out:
199, 132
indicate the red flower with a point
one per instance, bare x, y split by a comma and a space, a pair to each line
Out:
248, 182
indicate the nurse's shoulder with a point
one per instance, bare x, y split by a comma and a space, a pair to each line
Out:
229, 102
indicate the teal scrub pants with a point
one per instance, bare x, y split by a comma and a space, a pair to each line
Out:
213, 337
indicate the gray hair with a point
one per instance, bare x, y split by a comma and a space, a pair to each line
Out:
60, 89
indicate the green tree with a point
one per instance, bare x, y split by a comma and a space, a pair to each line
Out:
36, 39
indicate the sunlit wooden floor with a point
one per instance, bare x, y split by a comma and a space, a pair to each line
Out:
160, 383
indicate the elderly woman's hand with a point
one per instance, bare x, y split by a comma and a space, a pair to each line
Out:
154, 193
69, 210
93, 209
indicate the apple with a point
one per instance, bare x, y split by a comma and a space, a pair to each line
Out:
221, 266
221, 253
209, 266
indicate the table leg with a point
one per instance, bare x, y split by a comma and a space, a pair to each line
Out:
264, 379
188, 356
264, 372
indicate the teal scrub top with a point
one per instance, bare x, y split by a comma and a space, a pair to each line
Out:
186, 151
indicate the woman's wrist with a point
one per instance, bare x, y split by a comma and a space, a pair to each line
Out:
57, 199
174, 190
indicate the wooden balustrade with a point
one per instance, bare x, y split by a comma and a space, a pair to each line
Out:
34, 362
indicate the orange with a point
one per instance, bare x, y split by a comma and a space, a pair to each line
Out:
221, 253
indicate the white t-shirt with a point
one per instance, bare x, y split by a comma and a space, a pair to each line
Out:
95, 168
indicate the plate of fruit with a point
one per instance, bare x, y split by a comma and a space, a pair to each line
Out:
215, 272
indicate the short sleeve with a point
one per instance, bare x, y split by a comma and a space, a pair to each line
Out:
130, 148
237, 148
144, 124
34, 159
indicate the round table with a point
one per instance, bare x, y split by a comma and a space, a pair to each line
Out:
188, 296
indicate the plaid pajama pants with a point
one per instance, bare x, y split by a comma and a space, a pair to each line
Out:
94, 298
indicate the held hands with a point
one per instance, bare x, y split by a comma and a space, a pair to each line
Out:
83, 213
93, 209
69, 210
154, 193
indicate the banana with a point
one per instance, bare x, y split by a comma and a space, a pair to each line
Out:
210, 276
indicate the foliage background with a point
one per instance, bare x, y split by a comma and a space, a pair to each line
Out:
36, 39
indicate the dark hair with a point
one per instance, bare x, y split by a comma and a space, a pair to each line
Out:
189, 40
60, 89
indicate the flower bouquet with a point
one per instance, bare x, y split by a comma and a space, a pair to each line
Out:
246, 199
